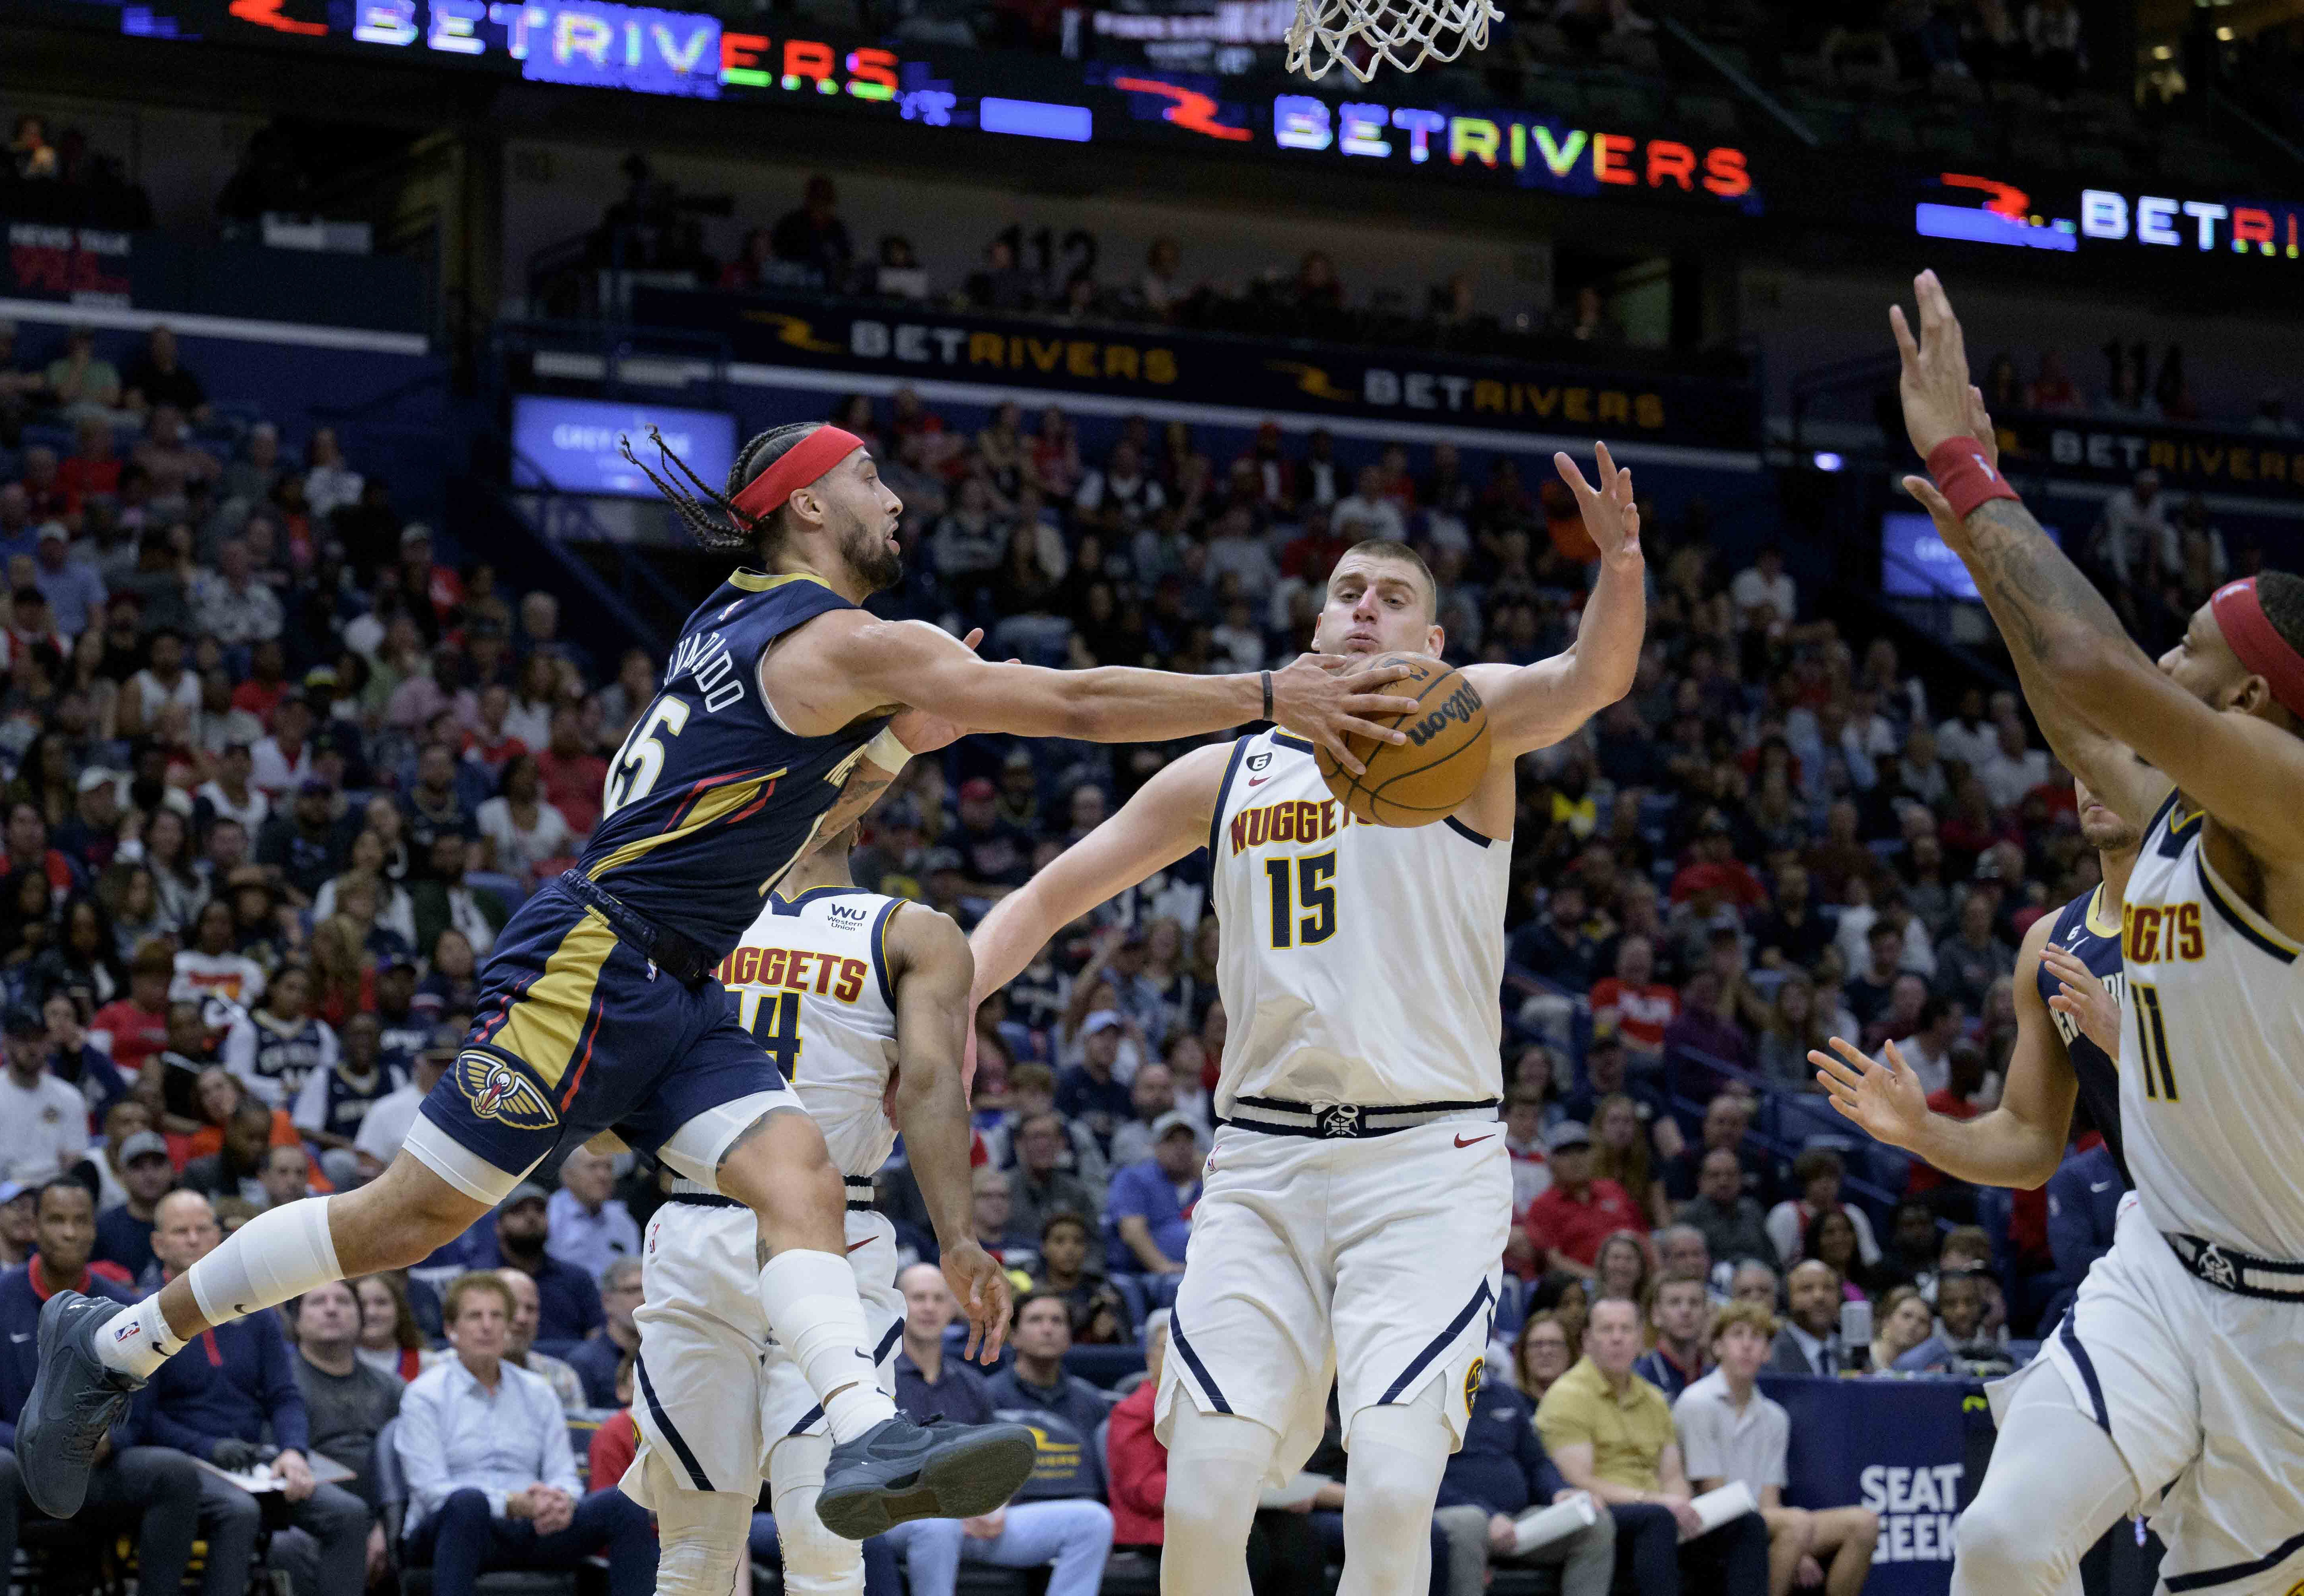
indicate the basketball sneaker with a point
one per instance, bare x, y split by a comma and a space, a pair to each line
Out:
898, 1471
74, 1400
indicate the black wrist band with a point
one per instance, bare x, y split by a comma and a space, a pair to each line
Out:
1267, 695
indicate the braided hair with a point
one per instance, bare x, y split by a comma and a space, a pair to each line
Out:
712, 518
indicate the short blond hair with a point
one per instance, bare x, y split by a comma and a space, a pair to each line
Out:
451, 1300
1729, 1315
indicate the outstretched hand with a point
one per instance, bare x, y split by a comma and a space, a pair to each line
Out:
1949, 525
1610, 514
1933, 382
1886, 1100
1323, 697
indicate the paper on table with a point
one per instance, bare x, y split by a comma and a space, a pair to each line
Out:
1544, 1525
1295, 1493
256, 1479
1732, 1501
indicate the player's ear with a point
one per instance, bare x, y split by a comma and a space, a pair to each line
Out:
1435, 640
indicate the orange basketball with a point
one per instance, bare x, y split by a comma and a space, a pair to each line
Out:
1430, 776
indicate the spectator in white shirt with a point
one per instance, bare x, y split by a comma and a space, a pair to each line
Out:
1729, 1432
162, 681
43, 1121
491, 1479
520, 827
233, 794
1121, 497
74, 588
1765, 584
2013, 768
519, 1342
330, 483
389, 1119
1369, 512
588, 1227
230, 605
2138, 543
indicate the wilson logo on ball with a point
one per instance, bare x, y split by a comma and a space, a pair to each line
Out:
1463, 705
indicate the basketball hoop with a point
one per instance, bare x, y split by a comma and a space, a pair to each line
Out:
1403, 33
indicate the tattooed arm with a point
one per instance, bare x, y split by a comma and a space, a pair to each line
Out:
2243, 765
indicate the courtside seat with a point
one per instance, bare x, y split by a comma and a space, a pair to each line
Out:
391, 1503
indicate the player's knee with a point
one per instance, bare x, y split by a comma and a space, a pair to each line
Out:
1999, 1540
1796, 1526
701, 1537
1863, 1529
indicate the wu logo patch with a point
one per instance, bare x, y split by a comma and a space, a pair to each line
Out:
498, 1092
847, 915
1472, 1383
1256, 761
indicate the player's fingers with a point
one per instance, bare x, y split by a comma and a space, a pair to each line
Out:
1574, 478
1938, 507
1905, 346
975, 636
1344, 755
1354, 726
1896, 1065
1608, 472
1858, 1059
1378, 704
1832, 1067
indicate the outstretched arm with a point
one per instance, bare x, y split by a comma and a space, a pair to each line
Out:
2018, 1143
847, 664
2241, 768
1535, 706
1168, 817
930, 967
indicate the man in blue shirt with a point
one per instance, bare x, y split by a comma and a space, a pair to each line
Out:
123, 1235
596, 1358
162, 1485
1149, 1207
1059, 1517
234, 1389
1501, 1471
568, 1301
2083, 1205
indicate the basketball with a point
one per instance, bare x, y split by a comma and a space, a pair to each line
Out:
1430, 776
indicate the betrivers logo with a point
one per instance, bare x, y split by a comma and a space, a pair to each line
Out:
1463, 705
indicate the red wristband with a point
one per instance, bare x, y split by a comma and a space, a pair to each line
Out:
1964, 477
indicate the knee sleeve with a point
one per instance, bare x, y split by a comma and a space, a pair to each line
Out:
816, 1562
1398, 1455
1216, 1464
280, 1252
701, 1536
2056, 1484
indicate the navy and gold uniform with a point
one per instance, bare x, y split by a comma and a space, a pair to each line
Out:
2092, 937
598, 1007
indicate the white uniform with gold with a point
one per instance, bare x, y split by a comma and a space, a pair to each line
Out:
1357, 1200
713, 1392
2201, 1385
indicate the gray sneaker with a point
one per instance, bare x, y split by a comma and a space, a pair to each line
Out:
898, 1471
74, 1400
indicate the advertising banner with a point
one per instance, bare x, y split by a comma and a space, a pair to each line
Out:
1235, 374
2189, 459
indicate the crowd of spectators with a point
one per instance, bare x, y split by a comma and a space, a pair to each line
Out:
280, 769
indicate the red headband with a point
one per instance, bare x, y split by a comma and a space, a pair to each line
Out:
2240, 613
796, 468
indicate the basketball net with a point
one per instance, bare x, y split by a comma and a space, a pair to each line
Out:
1361, 35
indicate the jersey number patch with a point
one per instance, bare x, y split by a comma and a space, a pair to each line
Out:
775, 1026
2152, 1035
641, 761
1303, 900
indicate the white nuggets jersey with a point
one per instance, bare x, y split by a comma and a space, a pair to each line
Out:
2211, 1052
1359, 964
810, 981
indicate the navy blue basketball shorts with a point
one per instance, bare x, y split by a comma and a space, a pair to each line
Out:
574, 1033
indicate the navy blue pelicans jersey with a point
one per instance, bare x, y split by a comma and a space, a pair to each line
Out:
711, 800
2076, 931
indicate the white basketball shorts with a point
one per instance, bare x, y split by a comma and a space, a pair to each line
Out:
1372, 1263
2202, 1390
713, 1392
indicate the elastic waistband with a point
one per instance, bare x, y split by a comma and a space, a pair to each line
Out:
1347, 1121
2243, 1274
861, 1196
677, 954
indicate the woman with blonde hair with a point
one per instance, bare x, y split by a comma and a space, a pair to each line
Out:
1900, 1321
1622, 1268
1620, 1153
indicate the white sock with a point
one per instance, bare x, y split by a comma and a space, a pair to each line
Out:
282, 1252
810, 1301
137, 1342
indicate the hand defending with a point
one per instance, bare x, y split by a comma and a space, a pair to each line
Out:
1885, 1099
1610, 515
1319, 699
2083, 996
1933, 382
